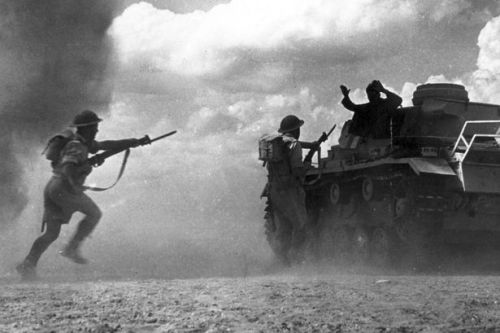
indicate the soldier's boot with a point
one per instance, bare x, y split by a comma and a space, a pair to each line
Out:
72, 252
27, 270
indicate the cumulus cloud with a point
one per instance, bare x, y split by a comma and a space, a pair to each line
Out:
231, 73
486, 79
483, 84
239, 37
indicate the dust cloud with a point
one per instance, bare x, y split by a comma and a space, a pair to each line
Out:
54, 61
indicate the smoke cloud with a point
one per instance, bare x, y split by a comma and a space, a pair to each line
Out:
54, 62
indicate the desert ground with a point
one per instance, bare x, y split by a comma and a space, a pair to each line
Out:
300, 299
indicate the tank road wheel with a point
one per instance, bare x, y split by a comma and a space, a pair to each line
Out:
401, 206
341, 245
403, 209
335, 194
360, 245
368, 189
372, 189
382, 246
342, 200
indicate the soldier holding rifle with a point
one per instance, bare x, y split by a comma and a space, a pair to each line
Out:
285, 188
64, 194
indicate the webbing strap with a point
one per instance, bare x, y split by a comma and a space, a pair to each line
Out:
100, 189
122, 169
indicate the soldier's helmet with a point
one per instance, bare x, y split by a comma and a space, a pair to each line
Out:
290, 123
85, 118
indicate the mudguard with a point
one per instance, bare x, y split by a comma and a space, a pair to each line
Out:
480, 172
437, 166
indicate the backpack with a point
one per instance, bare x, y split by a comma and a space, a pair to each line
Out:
271, 148
56, 144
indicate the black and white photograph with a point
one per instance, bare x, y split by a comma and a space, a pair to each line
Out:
249, 166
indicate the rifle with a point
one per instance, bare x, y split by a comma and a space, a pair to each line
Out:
98, 159
324, 136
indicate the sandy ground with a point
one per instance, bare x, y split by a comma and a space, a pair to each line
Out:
297, 300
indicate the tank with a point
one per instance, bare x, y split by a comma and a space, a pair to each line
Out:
433, 185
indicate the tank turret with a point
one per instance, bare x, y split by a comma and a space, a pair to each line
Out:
439, 91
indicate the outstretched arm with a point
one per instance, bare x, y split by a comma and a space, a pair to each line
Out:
117, 144
348, 104
120, 144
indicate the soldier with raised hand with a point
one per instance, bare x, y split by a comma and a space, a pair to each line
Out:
286, 190
64, 194
372, 119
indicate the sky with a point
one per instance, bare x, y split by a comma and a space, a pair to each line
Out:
221, 73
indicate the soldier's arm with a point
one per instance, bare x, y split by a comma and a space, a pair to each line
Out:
115, 144
392, 99
72, 160
349, 105
70, 170
309, 145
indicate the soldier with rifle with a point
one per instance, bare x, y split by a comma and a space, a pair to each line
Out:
64, 194
285, 188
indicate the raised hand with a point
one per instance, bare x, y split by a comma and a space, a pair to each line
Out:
344, 90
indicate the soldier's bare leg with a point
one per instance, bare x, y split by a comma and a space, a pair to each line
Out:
27, 267
85, 227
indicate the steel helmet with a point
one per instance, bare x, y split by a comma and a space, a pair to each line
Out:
290, 123
85, 118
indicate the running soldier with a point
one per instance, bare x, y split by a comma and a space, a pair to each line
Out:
64, 193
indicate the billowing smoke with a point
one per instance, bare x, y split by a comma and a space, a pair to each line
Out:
54, 62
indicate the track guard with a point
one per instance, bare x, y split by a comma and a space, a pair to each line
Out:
480, 172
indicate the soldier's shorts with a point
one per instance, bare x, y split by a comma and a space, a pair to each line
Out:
60, 202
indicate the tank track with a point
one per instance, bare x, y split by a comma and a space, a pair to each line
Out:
403, 212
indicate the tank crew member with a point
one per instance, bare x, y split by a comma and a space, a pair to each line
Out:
64, 193
372, 119
286, 190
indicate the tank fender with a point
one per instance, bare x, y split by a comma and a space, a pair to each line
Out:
435, 166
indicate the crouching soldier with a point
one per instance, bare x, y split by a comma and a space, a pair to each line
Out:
64, 194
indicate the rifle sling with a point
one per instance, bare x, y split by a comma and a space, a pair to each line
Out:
122, 169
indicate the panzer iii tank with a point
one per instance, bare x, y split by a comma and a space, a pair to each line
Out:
435, 182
